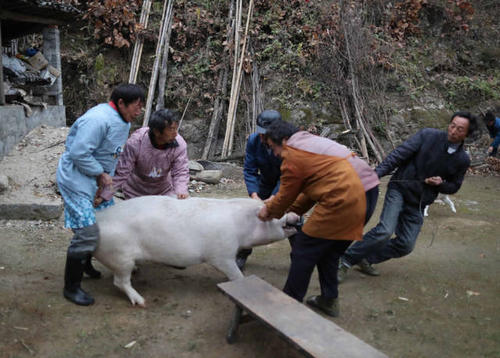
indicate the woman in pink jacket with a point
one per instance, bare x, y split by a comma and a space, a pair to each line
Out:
154, 161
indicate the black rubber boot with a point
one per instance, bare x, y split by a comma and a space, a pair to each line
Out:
89, 270
72, 279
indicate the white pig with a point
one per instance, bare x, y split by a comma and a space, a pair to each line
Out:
182, 233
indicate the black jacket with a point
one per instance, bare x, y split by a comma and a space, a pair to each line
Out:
421, 156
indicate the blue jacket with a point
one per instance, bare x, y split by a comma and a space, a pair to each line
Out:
93, 145
424, 155
262, 168
495, 133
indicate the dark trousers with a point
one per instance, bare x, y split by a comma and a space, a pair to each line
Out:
371, 202
308, 252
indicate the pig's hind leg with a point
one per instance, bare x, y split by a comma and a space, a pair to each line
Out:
228, 267
122, 281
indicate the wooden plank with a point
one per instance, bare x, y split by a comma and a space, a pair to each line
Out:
300, 325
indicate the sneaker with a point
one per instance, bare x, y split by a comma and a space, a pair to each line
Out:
367, 268
330, 306
342, 271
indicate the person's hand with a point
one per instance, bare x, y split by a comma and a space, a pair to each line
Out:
490, 149
182, 196
269, 199
255, 196
435, 181
97, 201
97, 198
263, 214
104, 179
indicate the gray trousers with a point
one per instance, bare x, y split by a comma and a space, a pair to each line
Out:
84, 241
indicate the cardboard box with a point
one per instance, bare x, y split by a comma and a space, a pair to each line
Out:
38, 61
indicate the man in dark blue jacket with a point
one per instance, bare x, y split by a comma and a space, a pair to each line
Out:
493, 126
261, 169
430, 162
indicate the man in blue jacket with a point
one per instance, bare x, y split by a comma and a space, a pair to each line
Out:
430, 162
261, 170
493, 126
93, 145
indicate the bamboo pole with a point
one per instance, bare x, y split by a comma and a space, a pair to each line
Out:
160, 100
239, 76
154, 73
136, 57
229, 120
235, 93
184, 113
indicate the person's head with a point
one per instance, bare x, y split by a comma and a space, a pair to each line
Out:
277, 135
265, 119
163, 126
489, 119
129, 100
462, 125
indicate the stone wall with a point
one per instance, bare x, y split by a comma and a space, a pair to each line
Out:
14, 124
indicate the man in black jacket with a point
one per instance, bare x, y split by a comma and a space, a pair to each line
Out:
430, 162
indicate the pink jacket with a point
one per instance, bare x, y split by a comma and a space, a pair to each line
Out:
145, 170
319, 145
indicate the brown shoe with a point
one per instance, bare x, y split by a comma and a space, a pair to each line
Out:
329, 306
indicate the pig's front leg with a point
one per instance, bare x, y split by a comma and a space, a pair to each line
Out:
122, 281
228, 267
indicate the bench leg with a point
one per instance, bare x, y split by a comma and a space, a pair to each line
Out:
232, 334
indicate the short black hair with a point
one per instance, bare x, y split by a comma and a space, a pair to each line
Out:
488, 117
128, 92
280, 130
161, 119
472, 121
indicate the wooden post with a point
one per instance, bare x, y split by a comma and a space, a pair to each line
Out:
2, 95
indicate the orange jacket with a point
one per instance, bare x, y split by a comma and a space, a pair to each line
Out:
328, 181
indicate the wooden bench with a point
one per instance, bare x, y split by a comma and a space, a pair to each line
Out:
312, 334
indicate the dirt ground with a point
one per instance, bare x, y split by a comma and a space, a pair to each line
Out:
440, 301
